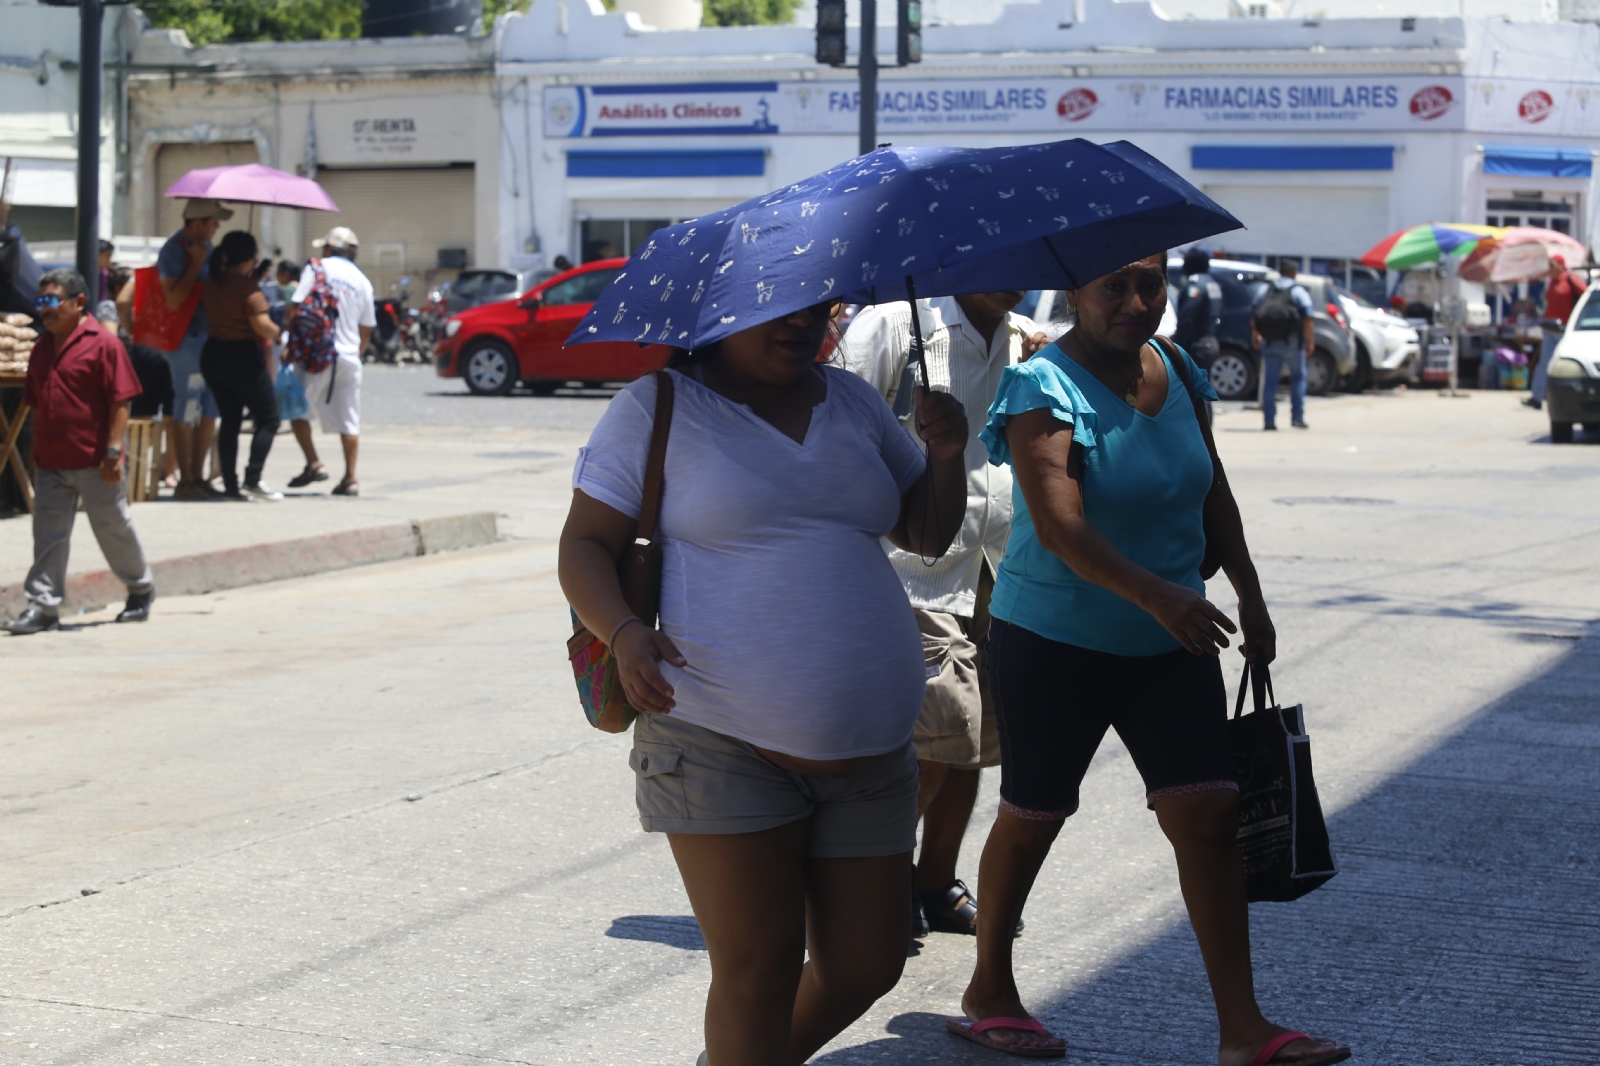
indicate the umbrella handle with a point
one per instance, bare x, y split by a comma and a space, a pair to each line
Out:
917, 352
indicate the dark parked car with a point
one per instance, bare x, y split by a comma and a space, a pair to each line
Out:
474, 287
1235, 370
495, 345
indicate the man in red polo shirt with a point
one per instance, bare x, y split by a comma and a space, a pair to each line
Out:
79, 385
1561, 292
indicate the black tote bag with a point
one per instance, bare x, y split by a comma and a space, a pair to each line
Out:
1282, 836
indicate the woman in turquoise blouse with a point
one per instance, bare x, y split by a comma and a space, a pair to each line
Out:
1101, 621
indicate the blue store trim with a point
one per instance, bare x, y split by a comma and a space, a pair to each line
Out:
670, 163
695, 87
1292, 157
1538, 162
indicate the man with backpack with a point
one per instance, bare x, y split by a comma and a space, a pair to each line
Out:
330, 321
1281, 330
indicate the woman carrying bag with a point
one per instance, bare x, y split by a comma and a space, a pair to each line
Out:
1101, 621
773, 743
237, 360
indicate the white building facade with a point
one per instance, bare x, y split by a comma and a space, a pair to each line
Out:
1321, 135
403, 133
39, 120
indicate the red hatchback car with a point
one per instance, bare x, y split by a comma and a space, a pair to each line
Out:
495, 345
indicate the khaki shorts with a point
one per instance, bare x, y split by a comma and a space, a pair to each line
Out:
692, 780
957, 724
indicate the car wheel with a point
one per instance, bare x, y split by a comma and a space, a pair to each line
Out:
489, 368
1361, 377
1233, 375
543, 388
1561, 433
1322, 373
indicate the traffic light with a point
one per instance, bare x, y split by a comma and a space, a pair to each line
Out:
908, 35
831, 48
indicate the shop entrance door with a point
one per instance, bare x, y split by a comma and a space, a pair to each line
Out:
173, 161
1545, 210
611, 237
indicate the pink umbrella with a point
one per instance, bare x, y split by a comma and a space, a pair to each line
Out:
252, 183
1553, 241
1522, 253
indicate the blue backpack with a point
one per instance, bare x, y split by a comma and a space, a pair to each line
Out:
311, 332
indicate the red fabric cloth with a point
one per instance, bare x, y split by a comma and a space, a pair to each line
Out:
72, 393
1561, 296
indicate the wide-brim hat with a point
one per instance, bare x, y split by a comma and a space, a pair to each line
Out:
203, 207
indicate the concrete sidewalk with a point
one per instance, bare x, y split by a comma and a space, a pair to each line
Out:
423, 489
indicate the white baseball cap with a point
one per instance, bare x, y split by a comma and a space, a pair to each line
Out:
338, 237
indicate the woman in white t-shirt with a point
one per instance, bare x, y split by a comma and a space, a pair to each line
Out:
780, 692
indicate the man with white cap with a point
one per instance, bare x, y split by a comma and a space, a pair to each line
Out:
182, 265
334, 393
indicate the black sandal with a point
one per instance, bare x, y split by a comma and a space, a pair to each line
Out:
308, 475
954, 909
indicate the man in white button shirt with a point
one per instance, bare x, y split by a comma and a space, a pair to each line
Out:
969, 340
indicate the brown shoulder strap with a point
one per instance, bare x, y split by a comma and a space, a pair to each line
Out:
655, 465
1180, 365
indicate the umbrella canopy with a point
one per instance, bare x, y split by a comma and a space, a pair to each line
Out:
1426, 243
1522, 253
946, 220
252, 183
1553, 241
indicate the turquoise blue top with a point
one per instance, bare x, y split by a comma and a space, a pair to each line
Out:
1145, 480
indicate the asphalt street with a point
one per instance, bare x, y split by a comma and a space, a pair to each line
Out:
360, 818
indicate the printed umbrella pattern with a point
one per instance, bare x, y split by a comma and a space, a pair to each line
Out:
950, 220
1426, 243
1522, 253
252, 183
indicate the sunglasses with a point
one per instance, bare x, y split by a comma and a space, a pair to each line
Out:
50, 300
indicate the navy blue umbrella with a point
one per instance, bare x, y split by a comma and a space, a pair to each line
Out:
899, 222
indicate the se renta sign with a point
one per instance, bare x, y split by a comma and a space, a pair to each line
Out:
1068, 106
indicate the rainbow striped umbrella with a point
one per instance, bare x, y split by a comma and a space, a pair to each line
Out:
1426, 243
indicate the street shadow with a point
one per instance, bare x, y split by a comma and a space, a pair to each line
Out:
1463, 927
673, 930
1578, 437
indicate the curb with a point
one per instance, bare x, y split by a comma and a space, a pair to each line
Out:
255, 564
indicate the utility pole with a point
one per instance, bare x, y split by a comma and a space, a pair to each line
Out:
91, 18
867, 68
91, 14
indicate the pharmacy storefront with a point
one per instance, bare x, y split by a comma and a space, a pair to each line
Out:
1319, 156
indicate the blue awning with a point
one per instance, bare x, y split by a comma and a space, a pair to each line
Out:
1292, 157
667, 163
1538, 162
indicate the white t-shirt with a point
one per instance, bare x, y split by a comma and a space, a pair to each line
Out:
798, 635
353, 292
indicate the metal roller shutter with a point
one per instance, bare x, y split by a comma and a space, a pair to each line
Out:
175, 160
402, 218
1338, 222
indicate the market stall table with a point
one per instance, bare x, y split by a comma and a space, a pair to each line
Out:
10, 430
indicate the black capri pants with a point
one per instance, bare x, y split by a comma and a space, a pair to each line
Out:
236, 371
1054, 702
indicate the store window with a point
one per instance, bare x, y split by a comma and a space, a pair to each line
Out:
1557, 211
611, 237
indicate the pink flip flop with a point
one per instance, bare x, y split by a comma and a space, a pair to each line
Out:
974, 1032
1265, 1056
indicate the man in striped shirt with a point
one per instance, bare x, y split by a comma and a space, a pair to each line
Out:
968, 341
